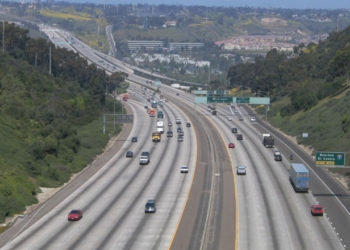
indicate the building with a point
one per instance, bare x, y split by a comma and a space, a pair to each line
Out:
147, 45
185, 46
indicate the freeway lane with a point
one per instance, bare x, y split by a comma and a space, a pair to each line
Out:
113, 207
209, 219
288, 213
326, 190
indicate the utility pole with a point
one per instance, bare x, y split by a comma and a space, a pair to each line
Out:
3, 37
50, 62
36, 57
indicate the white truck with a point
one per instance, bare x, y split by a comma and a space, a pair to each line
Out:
160, 127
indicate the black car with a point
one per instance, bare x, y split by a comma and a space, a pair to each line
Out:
129, 154
234, 130
188, 125
179, 129
169, 134
146, 107
150, 206
134, 139
239, 137
278, 157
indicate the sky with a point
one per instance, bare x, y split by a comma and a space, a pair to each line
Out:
290, 4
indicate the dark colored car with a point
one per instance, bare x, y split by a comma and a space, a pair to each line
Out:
241, 118
278, 157
179, 129
75, 214
134, 139
239, 137
317, 210
177, 94
129, 154
169, 134
146, 107
234, 130
180, 138
188, 125
150, 206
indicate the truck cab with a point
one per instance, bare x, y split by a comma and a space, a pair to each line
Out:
156, 137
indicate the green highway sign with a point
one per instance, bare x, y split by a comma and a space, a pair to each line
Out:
242, 99
220, 99
329, 159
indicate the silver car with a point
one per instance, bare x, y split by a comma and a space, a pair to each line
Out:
180, 138
241, 170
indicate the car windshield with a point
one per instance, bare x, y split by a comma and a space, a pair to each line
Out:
317, 208
74, 212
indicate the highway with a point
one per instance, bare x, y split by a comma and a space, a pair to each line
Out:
208, 208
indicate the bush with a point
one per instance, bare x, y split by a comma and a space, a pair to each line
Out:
287, 110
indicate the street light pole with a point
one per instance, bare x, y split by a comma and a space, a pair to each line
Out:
114, 116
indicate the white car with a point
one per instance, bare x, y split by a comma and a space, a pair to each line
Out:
252, 119
229, 118
184, 169
241, 170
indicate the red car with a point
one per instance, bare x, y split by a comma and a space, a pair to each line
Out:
317, 210
231, 145
75, 214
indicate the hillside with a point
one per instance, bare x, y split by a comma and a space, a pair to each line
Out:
309, 93
50, 125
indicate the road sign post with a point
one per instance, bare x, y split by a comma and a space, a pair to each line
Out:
330, 159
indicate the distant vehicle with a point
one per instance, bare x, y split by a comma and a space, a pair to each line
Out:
241, 170
236, 111
75, 214
277, 155
154, 104
268, 140
134, 139
299, 177
151, 112
148, 100
160, 127
241, 118
213, 112
317, 209
188, 125
169, 134
170, 124
177, 94
231, 145
156, 137
234, 130
178, 121
180, 139
252, 119
144, 160
129, 154
160, 114
239, 137
229, 118
181, 133
146, 107
179, 129
125, 97
161, 97
150, 206
184, 169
